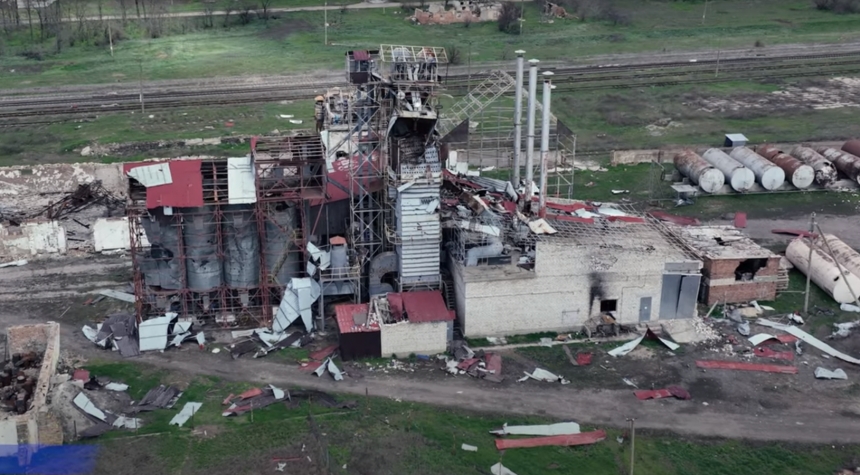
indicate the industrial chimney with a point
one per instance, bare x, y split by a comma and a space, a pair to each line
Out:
530, 139
544, 142
518, 120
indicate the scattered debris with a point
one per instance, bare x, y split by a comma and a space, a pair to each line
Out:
321, 355
469, 448
543, 375
630, 345
328, 365
628, 382
809, 339
795, 318
87, 407
844, 329
672, 391
17, 263
161, 397
117, 331
116, 387
744, 328
186, 413
255, 398
561, 428
499, 469
124, 296
823, 373
497, 340
765, 352
584, 438
767, 368
845, 307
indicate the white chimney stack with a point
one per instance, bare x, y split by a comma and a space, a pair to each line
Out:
544, 142
530, 139
518, 120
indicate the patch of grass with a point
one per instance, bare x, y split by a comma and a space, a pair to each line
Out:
383, 436
656, 26
477, 342
530, 337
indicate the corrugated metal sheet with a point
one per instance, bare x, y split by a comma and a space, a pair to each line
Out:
152, 175
585, 438
419, 230
240, 181
346, 318
767, 368
185, 190
426, 306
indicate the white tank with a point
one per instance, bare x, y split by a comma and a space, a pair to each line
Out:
739, 177
769, 176
824, 271
847, 256
699, 171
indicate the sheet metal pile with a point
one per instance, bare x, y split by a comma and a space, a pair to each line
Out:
122, 332
104, 420
17, 381
477, 364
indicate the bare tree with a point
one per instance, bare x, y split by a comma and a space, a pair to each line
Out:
208, 9
264, 5
123, 9
616, 16
29, 5
228, 6
245, 11
509, 16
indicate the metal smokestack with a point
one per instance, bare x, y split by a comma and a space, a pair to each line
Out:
518, 120
544, 142
530, 139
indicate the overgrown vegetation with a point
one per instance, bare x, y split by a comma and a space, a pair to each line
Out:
509, 18
838, 6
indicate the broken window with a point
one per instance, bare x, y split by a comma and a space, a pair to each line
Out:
607, 306
747, 269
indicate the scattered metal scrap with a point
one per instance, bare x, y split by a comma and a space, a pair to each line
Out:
672, 391
824, 373
329, 366
16, 385
767, 368
543, 375
124, 296
263, 341
584, 438
499, 469
477, 364
186, 413
255, 398
86, 195
630, 345
561, 428
161, 397
809, 339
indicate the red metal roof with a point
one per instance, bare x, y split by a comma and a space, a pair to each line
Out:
395, 305
740, 220
425, 306
186, 191
337, 241
345, 318
767, 368
360, 55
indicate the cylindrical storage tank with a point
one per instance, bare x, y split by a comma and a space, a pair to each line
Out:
769, 176
845, 162
200, 235
241, 247
699, 171
845, 254
740, 178
798, 174
852, 163
824, 272
825, 172
279, 250
163, 268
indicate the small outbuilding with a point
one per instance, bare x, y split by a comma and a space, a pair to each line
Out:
735, 140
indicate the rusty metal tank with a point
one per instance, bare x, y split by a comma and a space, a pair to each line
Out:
847, 256
845, 162
740, 178
823, 271
796, 172
700, 172
825, 172
769, 176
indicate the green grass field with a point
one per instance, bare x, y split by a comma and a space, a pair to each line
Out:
294, 43
382, 436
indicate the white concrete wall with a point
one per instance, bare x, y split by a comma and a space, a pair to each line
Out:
456, 270
557, 299
30, 188
110, 234
32, 238
405, 338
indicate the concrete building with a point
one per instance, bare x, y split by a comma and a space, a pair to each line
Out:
623, 266
735, 269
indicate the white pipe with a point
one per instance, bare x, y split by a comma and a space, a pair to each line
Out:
518, 120
544, 142
530, 138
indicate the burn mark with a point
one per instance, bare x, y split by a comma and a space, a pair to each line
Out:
595, 290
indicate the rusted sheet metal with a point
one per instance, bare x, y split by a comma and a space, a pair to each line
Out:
184, 191
572, 219
324, 353
426, 306
626, 219
765, 352
852, 147
740, 220
796, 172
494, 367
845, 162
699, 171
585, 438
825, 172
766, 368
675, 219
584, 359
671, 391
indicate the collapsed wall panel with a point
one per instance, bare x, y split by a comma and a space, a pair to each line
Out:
161, 266
241, 247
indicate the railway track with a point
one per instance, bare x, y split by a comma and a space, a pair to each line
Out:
17, 110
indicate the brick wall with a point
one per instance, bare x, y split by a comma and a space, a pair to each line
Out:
720, 285
725, 268
25, 338
558, 297
405, 338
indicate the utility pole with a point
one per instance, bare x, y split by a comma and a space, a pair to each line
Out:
325, 20
140, 82
632, 422
809, 265
705, 12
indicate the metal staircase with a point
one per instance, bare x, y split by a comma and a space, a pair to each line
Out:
490, 89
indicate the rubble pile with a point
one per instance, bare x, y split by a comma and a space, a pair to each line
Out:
17, 381
477, 364
263, 341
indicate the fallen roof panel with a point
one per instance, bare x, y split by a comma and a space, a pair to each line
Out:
766, 368
809, 339
561, 428
426, 306
186, 413
585, 438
